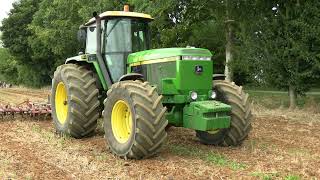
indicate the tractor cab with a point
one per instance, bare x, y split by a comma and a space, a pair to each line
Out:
122, 33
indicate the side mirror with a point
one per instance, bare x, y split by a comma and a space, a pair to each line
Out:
82, 35
94, 14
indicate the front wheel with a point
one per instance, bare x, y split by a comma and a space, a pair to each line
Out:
233, 95
134, 119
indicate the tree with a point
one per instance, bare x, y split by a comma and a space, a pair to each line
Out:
1, 44
8, 67
15, 38
15, 30
289, 40
186, 23
55, 27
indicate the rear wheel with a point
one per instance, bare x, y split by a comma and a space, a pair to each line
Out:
74, 100
241, 116
134, 119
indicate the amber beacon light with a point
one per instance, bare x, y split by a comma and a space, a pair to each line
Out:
126, 8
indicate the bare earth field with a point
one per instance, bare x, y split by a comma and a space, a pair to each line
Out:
282, 145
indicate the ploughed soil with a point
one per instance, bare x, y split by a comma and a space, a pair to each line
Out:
282, 144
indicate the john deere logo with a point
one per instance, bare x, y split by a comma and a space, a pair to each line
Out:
198, 69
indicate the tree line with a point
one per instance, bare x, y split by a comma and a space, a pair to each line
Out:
265, 43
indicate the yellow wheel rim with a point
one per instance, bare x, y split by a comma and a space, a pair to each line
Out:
121, 121
61, 103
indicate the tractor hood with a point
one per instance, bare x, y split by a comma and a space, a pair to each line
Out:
166, 53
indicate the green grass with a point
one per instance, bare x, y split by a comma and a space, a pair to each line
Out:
315, 89
209, 157
265, 176
276, 99
292, 177
270, 88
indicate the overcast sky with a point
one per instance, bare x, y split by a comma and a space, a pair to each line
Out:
5, 6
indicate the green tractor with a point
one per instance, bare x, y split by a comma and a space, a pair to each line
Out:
140, 92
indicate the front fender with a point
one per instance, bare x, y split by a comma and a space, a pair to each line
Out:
89, 59
131, 76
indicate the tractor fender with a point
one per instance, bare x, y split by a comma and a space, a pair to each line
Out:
90, 65
218, 77
89, 61
131, 76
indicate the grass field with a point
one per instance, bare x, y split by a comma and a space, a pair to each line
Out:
272, 99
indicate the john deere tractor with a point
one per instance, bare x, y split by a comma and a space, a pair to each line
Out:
141, 91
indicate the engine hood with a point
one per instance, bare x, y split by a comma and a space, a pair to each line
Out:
154, 54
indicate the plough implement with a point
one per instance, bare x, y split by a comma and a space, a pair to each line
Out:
26, 108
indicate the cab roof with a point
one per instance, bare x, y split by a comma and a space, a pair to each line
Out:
121, 14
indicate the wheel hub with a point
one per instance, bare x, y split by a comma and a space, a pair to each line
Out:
61, 104
121, 121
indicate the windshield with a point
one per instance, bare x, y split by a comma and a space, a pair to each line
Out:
126, 35
122, 37
118, 38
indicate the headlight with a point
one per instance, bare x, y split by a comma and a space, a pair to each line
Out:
213, 95
193, 95
196, 58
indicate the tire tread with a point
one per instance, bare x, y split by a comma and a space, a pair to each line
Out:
150, 118
83, 94
241, 115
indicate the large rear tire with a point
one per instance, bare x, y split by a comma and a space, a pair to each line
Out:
233, 95
134, 119
74, 100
